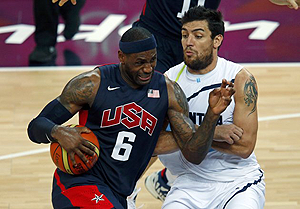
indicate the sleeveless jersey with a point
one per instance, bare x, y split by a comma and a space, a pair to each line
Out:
216, 166
162, 16
127, 123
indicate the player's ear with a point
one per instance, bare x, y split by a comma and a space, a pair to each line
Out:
121, 56
218, 41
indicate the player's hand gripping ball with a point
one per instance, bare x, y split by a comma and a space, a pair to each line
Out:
62, 159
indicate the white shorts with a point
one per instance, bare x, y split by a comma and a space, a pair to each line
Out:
188, 191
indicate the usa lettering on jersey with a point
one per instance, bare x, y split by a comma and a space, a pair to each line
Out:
130, 115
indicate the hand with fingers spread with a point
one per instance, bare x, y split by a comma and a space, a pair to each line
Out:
62, 2
220, 98
71, 140
293, 4
229, 133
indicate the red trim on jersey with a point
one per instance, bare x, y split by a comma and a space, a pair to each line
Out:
163, 171
105, 64
83, 115
144, 8
61, 186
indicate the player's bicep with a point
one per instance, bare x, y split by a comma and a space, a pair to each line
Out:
245, 111
80, 91
246, 93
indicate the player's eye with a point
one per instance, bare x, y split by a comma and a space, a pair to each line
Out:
198, 36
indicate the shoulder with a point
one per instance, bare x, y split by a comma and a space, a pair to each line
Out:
173, 72
82, 88
224, 63
86, 79
243, 75
244, 81
107, 70
175, 93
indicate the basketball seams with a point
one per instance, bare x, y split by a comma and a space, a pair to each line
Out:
57, 146
62, 160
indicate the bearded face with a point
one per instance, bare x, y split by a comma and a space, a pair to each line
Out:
199, 60
198, 46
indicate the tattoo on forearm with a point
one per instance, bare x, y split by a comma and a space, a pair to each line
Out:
181, 99
250, 92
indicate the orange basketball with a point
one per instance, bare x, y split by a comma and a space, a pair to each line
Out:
62, 159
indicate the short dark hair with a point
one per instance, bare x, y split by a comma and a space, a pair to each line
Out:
135, 34
214, 19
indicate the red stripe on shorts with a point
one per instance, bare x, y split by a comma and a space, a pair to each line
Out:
58, 182
87, 197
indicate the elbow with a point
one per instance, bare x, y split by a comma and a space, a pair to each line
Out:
195, 161
246, 153
30, 132
161, 150
194, 158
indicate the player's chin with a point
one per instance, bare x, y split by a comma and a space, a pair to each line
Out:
143, 80
188, 59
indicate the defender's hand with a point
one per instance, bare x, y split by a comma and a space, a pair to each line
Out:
220, 98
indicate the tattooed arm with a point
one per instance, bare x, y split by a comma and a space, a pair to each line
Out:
244, 116
46, 127
193, 144
80, 91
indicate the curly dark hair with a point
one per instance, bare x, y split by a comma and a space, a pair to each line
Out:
213, 18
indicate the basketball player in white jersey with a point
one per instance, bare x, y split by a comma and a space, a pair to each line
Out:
230, 176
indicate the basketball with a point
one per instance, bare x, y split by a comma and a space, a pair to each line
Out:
62, 159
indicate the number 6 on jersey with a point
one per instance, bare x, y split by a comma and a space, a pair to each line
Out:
123, 155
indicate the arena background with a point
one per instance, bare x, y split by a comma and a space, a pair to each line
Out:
263, 36
256, 31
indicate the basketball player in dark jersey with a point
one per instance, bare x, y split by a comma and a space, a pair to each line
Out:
127, 106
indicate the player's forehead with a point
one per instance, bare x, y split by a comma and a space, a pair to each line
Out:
195, 26
145, 55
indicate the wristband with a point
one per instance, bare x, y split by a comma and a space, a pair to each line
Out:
39, 129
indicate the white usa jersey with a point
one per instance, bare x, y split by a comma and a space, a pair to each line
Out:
216, 166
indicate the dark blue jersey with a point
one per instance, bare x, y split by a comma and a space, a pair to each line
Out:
127, 123
162, 16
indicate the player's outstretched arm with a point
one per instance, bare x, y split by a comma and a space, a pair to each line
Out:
244, 116
195, 144
62, 2
46, 127
293, 4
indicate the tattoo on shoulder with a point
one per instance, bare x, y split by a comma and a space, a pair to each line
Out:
79, 91
180, 97
250, 92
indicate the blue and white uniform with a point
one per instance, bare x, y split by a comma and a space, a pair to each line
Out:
220, 177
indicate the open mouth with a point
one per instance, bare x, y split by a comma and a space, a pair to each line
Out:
145, 78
